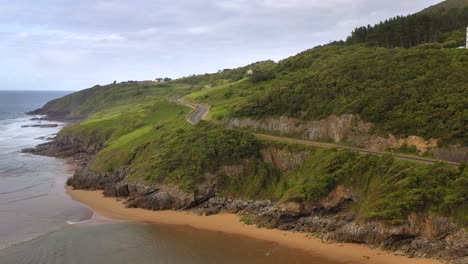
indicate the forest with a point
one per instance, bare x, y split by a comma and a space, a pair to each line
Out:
447, 27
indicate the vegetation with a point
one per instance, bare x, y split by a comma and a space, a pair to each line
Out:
247, 219
113, 98
445, 23
155, 144
136, 127
405, 92
185, 157
388, 189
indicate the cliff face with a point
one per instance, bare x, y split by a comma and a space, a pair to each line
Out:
331, 219
349, 129
282, 159
392, 142
345, 128
77, 147
171, 197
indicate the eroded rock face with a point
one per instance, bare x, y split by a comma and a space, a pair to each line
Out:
70, 146
161, 200
335, 128
420, 236
282, 159
379, 143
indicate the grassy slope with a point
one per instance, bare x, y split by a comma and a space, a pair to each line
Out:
108, 99
154, 143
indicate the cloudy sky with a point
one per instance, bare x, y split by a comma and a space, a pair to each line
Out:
74, 44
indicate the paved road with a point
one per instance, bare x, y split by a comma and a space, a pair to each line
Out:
200, 111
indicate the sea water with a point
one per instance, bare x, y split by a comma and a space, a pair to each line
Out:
32, 200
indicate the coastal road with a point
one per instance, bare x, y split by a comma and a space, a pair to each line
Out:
359, 150
200, 111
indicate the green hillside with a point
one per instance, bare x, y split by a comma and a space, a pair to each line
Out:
116, 97
420, 91
138, 128
154, 145
444, 23
445, 6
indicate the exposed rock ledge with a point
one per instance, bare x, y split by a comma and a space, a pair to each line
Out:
330, 219
346, 128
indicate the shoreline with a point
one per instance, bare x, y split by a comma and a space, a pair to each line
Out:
112, 208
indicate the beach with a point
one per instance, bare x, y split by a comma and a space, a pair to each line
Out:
231, 224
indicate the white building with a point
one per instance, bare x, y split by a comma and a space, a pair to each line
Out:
466, 47
466, 44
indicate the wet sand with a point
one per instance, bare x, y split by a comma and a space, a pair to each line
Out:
230, 223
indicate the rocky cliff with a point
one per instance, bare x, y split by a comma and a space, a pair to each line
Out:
330, 219
345, 128
283, 159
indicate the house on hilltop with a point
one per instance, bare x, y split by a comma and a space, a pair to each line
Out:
251, 71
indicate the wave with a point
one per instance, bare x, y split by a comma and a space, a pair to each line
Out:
30, 238
22, 189
38, 235
70, 222
26, 198
20, 133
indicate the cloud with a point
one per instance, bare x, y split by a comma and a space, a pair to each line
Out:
39, 75
78, 43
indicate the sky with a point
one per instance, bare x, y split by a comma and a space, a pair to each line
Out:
75, 44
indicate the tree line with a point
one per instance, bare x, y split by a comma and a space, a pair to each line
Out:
413, 30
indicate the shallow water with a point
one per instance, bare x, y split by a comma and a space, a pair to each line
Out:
145, 244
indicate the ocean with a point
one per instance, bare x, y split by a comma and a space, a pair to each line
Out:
32, 200
40, 223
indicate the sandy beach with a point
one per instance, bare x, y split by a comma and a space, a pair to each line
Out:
230, 223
